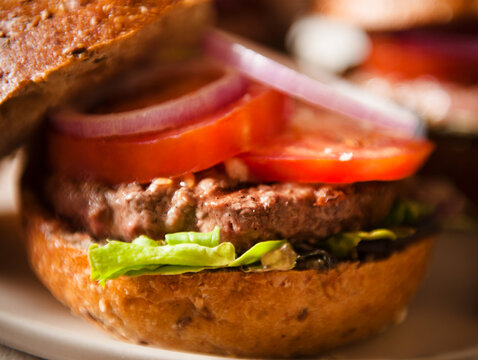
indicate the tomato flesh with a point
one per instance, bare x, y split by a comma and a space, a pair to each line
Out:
239, 127
323, 147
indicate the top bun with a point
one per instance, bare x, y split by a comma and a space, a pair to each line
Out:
50, 49
382, 15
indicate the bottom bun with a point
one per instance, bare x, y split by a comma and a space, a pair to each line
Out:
269, 314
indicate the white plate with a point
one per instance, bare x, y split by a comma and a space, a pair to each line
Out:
442, 321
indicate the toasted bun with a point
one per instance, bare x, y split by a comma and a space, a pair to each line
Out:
271, 314
395, 15
49, 49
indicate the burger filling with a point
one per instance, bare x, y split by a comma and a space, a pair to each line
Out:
211, 221
222, 172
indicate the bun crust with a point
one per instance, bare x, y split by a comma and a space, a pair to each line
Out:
396, 15
50, 49
272, 314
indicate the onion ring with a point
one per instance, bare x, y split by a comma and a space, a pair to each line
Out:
329, 92
169, 114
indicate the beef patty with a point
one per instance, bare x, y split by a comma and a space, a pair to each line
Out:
246, 213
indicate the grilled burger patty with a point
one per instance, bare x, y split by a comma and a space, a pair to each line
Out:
246, 213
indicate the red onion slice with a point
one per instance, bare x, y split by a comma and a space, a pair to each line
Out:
325, 90
173, 113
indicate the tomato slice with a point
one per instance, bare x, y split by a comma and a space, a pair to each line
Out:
394, 55
233, 130
323, 147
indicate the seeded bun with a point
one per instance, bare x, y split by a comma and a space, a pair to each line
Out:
396, 15
267, 314
49, 49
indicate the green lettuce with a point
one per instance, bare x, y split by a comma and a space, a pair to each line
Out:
179, 253
185, 252
344, 245
405, 213
209, 239
117, 257
255, 253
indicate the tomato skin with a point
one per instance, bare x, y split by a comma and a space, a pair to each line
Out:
334, 171
244, 124
391, 55
336, 151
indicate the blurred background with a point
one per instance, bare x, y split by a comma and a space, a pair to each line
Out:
421, 54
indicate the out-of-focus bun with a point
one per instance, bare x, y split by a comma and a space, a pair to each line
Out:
396, 15
50, 49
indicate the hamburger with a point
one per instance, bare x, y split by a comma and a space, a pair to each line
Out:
188, 205
420, 54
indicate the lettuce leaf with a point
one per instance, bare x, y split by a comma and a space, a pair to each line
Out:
185, 252
168, 270
344, 245
180, 253
255, 253
407, 212
209, 239
118, 258
404, 213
